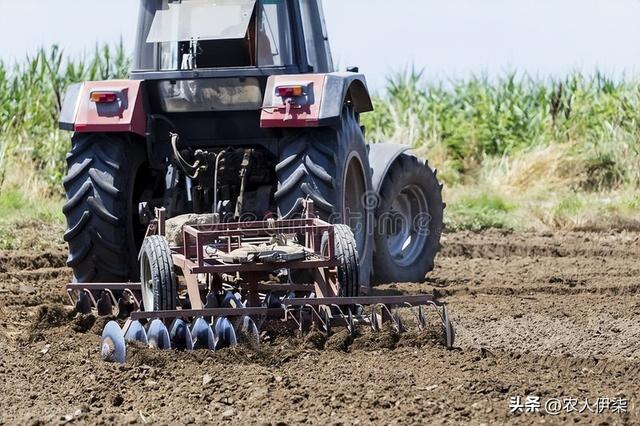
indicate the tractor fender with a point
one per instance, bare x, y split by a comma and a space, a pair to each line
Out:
321, 102
381, 157
125, 114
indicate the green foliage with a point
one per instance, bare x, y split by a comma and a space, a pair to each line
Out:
464, 122
477, 212
31, 95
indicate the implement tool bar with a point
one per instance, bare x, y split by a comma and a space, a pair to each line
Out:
367, 300
217, 312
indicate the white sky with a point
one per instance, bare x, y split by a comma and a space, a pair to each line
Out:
449, 38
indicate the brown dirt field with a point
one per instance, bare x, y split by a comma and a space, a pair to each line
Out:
548, 315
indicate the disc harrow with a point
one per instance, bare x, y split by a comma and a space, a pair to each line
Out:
227, 281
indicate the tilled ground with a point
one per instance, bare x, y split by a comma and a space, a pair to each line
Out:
553, 316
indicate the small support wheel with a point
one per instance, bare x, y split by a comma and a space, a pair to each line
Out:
347, 254
159, 288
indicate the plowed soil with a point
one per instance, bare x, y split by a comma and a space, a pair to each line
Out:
554, 316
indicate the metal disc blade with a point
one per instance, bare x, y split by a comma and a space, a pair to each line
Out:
422, 321
230, 300
351, 322
158, 335
125, 307
375, 321
247, 332
225, 334
83, 305
180, 334
212, 301
397, 321
326, 318
112, 344
202, 335
449, 329
105, 308
136, 333
272, 301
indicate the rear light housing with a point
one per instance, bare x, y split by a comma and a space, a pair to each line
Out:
103, 97
290, 91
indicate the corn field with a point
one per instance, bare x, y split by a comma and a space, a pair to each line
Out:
470, 128
461, 125
31, 95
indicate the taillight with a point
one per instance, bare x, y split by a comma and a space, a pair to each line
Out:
290, 91
104, 97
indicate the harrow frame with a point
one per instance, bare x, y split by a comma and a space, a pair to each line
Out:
323, 312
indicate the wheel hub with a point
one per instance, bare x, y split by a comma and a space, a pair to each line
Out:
407, 235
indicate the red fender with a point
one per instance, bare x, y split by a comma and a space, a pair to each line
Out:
320, 102
123, 113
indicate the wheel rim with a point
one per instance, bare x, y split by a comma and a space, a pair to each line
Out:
355, 210
148, 298
407, 237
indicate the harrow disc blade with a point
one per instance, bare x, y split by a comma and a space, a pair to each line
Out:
247, 332
230, 300
105, 308
136, 333
83, 305
422, 321
375, 322
225, 334
125, 307
158, 335
449, 330
272, 301
397, 322
180, 334
112, 344
202, 335
211, 301
326, 318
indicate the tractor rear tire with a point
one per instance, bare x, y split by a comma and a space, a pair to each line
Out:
331, 167
100, 208
409, 222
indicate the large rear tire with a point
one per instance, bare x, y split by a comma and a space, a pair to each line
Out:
331, 167
100, 209
409, 222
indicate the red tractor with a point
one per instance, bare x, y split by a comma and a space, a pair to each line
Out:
233, 109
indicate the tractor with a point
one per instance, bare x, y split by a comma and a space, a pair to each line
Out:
234, 108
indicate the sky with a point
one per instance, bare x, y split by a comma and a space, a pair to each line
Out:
446, 38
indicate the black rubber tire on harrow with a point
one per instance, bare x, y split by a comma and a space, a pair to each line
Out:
100, 210
157, 272
326, 165
409, 175
347, 255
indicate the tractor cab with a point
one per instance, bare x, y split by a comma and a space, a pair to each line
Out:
185, 38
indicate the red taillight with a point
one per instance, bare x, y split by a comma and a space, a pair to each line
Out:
104, 97
290, 91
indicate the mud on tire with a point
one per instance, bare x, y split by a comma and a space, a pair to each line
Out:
331, 167
99, 207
